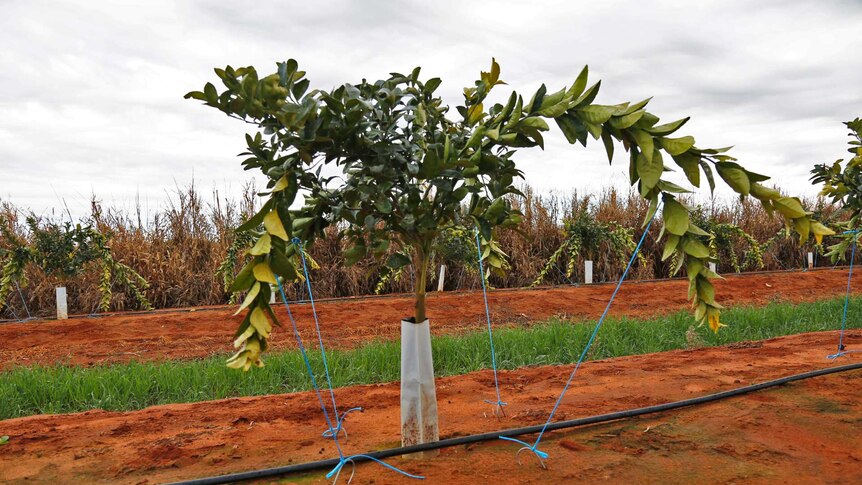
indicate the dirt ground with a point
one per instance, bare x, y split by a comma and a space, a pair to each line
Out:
346, 323
806, 432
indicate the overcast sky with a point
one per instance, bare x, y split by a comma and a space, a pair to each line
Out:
91, 92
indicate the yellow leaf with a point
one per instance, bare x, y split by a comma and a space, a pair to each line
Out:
242, 338
262, 246
263, 273
273, 225
281, 184
260, 322
714, 322
252, 293
819, 230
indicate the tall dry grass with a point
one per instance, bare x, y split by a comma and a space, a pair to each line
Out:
178, 249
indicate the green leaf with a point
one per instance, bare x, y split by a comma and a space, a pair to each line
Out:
211, 93
688, 161
536, 102
573, 128
734, 176
354, 254
281, 265
670, 246
534, 122
257, 219
609, 145
708, 172
645, 142
244, 279
649, 170
668, 128
625, 121
789, 207
588, 96
397, 260
695, 248
301, 223
383, 205
432, 84
677, 146
580, 83
596, 113
675, 217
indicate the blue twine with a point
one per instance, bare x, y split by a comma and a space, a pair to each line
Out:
534, 448
333, 432
841, 350
308, 368
499, 403
350, 459
339, 418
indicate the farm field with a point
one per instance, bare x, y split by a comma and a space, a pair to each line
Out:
791, 434
346, 323
794, 432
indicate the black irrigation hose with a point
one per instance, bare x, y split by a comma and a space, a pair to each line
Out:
601, 418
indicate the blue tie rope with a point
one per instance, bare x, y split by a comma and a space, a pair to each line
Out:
342, 460
339, 418
308, 367
534, 448
499, 403
841, 350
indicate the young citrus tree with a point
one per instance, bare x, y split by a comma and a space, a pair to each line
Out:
844, 186
65, 251
406, 168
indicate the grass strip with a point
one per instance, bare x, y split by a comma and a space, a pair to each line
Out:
27, 391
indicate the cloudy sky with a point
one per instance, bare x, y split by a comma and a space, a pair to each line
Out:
91, 92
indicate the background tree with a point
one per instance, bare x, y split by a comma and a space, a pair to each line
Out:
843, 185
405, 172
65, 251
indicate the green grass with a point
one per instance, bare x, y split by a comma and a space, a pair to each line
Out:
59, 389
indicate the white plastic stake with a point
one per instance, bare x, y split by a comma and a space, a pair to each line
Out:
588, 272
810, 260
442, 279
712, 267
62, 306
274, 290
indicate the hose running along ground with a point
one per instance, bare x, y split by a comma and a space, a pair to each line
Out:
461, 440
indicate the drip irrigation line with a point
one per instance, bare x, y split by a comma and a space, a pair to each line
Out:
574, 423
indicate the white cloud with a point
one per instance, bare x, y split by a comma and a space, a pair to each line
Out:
91, 93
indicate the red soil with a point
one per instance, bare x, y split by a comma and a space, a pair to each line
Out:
345, 323
806, 432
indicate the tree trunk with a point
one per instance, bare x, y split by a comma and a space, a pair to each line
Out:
418, 394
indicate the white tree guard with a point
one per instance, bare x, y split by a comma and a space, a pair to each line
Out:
62, 305
418, 394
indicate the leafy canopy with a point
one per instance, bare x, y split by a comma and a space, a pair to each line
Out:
406, 171
843, 185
